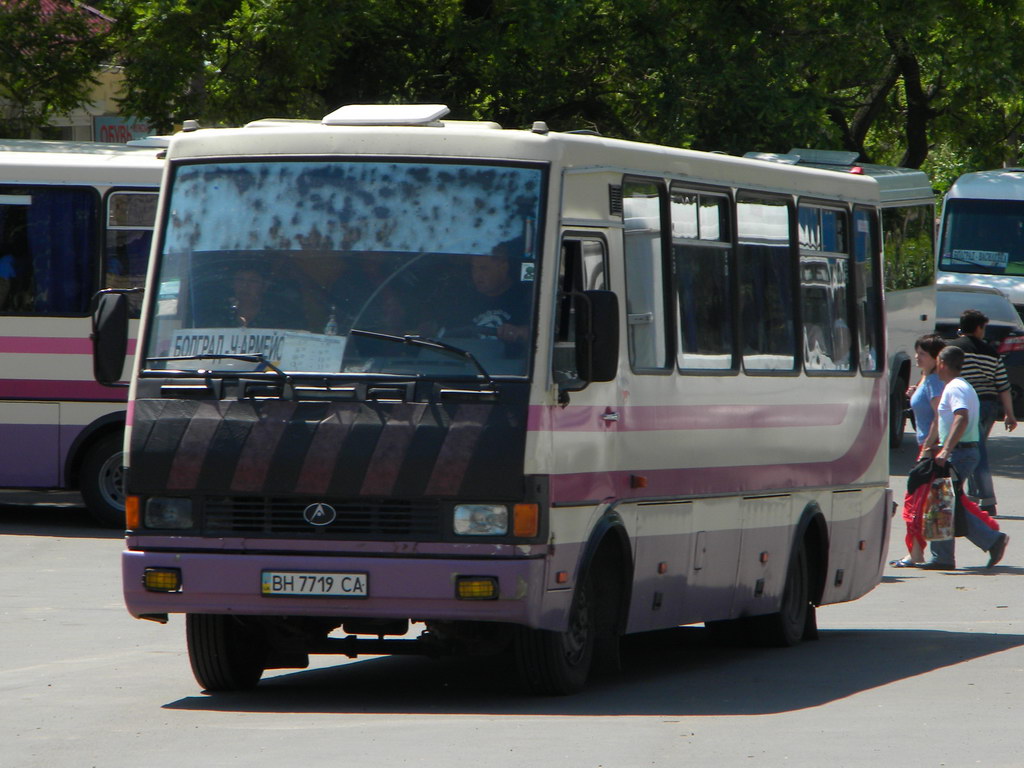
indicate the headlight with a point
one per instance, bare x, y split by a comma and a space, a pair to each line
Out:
481, 519
168, 512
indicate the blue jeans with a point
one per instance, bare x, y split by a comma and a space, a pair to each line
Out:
979, 482
964, 461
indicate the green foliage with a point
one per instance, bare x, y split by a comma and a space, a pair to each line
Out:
933, 83
48, 63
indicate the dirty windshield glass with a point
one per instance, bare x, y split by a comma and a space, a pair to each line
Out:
285, 259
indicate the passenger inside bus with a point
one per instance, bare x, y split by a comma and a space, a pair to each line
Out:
498, 305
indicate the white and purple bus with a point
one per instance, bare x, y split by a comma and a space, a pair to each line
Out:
74, 218
531, 390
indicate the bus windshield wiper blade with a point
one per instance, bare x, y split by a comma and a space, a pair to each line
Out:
423, 341
254, 358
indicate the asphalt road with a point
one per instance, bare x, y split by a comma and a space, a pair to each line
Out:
927, 670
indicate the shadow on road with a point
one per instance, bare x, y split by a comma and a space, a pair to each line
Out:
671, 673
57, 519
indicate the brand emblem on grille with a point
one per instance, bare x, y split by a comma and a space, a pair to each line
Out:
320, 514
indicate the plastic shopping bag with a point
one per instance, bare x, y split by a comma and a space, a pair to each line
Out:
939, 510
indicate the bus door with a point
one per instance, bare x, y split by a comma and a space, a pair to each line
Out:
582, 427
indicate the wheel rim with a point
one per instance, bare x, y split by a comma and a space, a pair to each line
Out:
576, 640
111, 481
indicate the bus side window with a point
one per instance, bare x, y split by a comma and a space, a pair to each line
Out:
767, 305
702, 266
47, 249
645, 275
824, 282
130, 217
583, 267
867, 284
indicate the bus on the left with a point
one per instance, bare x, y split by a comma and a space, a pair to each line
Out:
75, 218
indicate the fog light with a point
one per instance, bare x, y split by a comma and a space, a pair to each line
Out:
162, 579
480, 519
168, 512
476, 588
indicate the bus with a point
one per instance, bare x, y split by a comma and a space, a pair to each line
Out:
981, 237
908, 246
414, 385
75, 217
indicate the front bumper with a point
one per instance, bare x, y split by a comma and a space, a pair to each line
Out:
414, 588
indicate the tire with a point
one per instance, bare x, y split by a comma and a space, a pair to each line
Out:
897, 414
226, 654
101, 480
558, 663
796, 616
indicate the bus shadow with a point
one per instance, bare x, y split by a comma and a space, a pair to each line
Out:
57, 519
674, 672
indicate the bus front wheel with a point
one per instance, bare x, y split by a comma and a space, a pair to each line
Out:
225, 652
102, 480
558, 663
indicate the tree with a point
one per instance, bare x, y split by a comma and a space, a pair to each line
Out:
49, 56
898, 83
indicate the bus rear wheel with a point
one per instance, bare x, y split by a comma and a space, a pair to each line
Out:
795, 618
225, 652
558, 663
102, 481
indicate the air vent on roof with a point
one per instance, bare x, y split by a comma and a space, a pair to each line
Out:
387, 114
615, 199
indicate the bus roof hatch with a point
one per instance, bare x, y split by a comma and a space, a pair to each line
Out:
387, 114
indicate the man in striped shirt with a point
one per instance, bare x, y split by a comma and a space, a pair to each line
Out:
984, 370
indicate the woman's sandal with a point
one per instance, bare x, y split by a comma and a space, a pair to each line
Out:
904, 563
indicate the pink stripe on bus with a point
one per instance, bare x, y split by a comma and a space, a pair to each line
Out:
45, 345
392, 446
191, 453
254, 463
318, 466
457, 449
48, 389
686, 481
586, 418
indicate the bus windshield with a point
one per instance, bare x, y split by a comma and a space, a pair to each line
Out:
983, 237
282, 260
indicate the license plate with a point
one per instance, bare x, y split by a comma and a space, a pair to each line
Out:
314, 584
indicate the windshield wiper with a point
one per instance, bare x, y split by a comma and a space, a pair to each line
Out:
423, 341
254, 358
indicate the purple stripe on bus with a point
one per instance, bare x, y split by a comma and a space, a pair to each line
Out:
317, 469
585, 418
254, 463
47, 345
31, 455
392, 445
48, 389
457, 450
188, 459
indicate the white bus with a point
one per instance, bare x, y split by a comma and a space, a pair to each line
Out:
981, 239
74, 218
536, 390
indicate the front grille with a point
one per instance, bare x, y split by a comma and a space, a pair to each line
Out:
356, 519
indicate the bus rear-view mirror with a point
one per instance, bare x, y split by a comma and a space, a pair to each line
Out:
597, 336
109, 337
